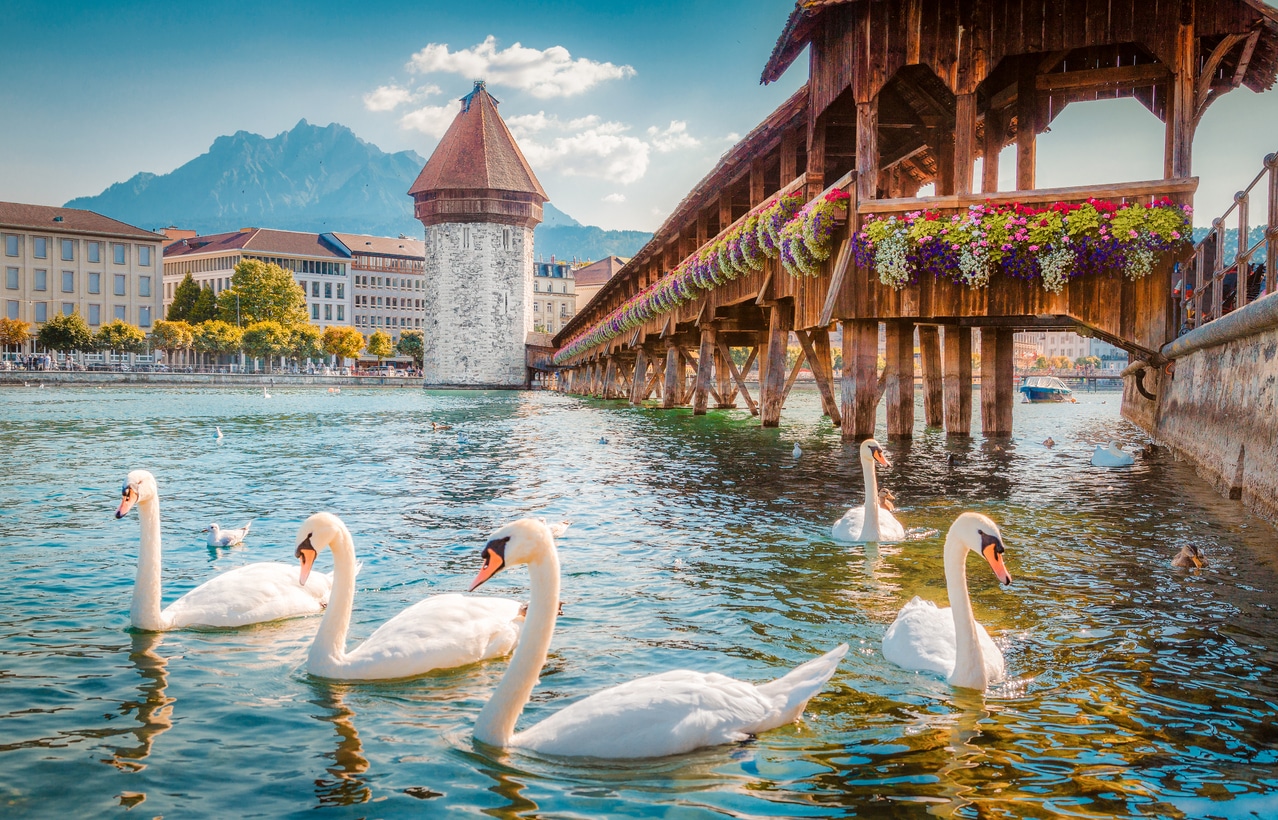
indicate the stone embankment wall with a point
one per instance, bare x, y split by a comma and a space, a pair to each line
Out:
34, 378
1216, 405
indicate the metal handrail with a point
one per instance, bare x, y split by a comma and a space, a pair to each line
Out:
1206, 302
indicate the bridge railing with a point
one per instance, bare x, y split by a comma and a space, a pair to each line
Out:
1211, 288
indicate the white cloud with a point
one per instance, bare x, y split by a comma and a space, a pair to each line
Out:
732, 138
431, 119
390, 97
616, 198
544, 74
672, 138
594, 152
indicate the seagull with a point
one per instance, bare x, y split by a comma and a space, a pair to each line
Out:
797, 451
226, 538
217, 432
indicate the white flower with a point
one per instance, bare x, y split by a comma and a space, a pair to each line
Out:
890, 260
1055, 265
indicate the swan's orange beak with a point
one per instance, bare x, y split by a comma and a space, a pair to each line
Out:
994, 554
130, 497
494, 560
880, 458
306, 554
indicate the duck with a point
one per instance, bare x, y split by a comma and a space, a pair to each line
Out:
797, 452
1111, 455
664, 714
251, 594
871, 522
949, 642
440, 632
219, 537
1189, 556
1049, 442
435, 425
886, 497
603, 439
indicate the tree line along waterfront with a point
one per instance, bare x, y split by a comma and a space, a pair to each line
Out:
261, 316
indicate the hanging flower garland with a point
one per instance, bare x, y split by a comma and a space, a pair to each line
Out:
806, 240
1052, 244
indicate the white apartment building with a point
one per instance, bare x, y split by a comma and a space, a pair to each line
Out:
554, 295
321, 266
66, 260
1051, 343
388, 281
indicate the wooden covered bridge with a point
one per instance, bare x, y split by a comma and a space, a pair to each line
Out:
902, 94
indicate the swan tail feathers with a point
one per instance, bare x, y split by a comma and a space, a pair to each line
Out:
791, 692
248, 524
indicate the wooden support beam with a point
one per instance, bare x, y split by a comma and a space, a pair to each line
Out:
900, 379
994, 131
930, 362
943, 139
1026, 126
674, 371
997, 373
789, 156
860, 370
793, 377
610, 378
757, 190
726, 391
816, 346
815, 171
780, 323
958, 380
867, 149
1100, 79
737, 375
1182, 98
705, 371
964, 142
725, 209
640, 380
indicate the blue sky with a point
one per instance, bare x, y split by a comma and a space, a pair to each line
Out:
620, 108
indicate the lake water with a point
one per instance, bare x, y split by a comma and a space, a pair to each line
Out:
1134, 689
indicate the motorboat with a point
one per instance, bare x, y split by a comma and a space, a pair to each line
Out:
1045, 388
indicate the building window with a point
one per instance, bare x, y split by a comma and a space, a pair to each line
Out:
41, 280
122, 313
536, 287
10, 244
68, 308
144, 317
505, 238
328, 290
341, 290
144, 286
95, 283
95, 251
315, 313
120, 251
41, 312
119, 284
68, 281
328, 313
314, 290
536, 307
11, 278
11, 309
341, 313
68, 250
466, 239
144, 255
41, 247
95, 315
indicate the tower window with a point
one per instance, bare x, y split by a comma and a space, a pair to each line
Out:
505, 238
466, 243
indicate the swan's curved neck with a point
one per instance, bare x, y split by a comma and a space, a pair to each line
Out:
328, 651
144, 612
870, 529
969, 663
496, 723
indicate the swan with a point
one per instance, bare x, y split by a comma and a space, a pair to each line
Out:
250, 594
665, 714
217, 432
1189, 556
949, 641
219, 537
441, 632
872, 522
265, 394
797, 452
1111, 455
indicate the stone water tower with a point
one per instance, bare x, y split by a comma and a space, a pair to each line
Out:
479, 202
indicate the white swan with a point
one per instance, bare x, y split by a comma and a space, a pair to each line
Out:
1111, 455
871, 522
265, 394
250, 594
665, 714
219, 537
949, 641
797, 452
441, 632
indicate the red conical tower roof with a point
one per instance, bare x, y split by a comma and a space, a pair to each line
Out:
477, 172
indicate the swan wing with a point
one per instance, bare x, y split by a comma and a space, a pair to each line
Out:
922, 638
441, 632
251, 594
848, 528
889, 528
994, 667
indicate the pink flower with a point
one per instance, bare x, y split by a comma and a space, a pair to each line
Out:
1033, 247
1133, 234
1007, 247
1175, 234
954, 247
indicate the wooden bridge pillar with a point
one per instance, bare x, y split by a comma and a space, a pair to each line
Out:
638, 386
780, 323
900, 379
859, 386
725, 384
610, 378
705, 371
674, 374
930, 361
997, 373
958, 381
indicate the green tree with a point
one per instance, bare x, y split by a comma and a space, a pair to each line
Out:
379, 345
172, 336
65, 333
1087, 361
411, 344
1041, 363
184, 298
266, 339
13, 332
306, 342
1061, 363
262, 293
343, 342
205, 309
121, 337
218, 338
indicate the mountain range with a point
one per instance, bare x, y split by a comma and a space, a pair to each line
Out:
313, 178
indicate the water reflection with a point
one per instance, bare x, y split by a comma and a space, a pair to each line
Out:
346, 787
153, 710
